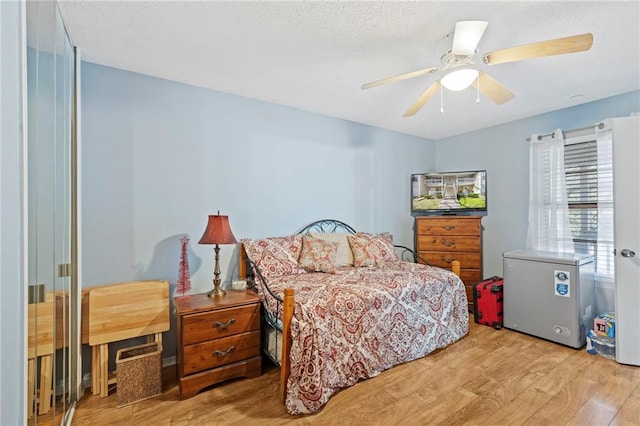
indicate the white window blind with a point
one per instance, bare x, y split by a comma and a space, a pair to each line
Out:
589, 182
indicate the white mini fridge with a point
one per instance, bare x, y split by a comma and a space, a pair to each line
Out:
549, 295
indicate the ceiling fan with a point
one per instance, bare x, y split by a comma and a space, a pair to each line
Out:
459, 71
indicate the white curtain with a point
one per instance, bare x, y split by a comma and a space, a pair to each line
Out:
604, 253
549, 227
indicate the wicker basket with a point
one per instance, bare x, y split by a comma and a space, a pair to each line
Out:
139, 373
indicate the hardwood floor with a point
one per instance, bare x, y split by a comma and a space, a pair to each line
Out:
490, 377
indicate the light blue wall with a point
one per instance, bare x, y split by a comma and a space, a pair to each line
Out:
12, 303
504, 152
160, 156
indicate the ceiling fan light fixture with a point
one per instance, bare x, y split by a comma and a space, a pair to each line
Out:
459, 79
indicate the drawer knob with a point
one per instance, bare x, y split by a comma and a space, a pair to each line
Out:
223, 353
223, 325
448, 227
448, 243
447, 259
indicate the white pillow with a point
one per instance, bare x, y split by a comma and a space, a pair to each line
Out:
344, 256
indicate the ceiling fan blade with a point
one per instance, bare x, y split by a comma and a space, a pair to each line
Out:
559, 46
398, 78
492, 89
428, 94
467, 36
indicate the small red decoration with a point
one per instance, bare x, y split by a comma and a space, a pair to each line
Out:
184, 280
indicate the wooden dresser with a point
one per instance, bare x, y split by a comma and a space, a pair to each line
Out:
441, 240
217, 339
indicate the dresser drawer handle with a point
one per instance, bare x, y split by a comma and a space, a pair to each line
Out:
448, 243
224, 325
448, 227
447, 259
223, 353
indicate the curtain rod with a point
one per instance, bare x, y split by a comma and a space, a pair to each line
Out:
599, 125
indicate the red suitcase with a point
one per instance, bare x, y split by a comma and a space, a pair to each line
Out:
487, 302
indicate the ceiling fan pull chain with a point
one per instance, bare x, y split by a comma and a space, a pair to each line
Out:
478, 91
441, 100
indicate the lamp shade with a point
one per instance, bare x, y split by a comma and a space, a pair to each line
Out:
218, 231
459, 79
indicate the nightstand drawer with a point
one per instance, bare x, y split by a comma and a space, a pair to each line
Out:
216, 353
443, 259
448, 243
221, 323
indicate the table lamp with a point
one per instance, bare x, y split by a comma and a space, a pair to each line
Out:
218, 232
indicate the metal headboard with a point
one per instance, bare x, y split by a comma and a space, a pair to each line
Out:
327, 226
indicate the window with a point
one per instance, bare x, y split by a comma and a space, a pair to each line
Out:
590, 198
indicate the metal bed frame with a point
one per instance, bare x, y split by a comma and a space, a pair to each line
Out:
285, 305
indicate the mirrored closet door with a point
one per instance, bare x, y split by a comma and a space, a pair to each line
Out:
52, 358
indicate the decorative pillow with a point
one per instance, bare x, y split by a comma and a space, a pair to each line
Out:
371, 249
344, 257
276, 256
318, 255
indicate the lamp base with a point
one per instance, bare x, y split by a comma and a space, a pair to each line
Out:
216, 292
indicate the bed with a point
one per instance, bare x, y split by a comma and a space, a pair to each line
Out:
340, 306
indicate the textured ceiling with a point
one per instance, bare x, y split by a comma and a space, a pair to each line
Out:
315, 56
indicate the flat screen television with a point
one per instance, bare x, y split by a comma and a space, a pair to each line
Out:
449, 193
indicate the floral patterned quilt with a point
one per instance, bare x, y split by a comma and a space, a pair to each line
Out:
356, 323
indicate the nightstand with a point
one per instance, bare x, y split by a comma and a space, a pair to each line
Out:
217, 339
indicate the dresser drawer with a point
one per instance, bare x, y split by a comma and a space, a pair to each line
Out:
448, 243
470, 276
218, 352
220, 323
445, 226
443, 259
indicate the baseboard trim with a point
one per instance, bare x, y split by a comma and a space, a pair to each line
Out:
86, 380
169, 361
